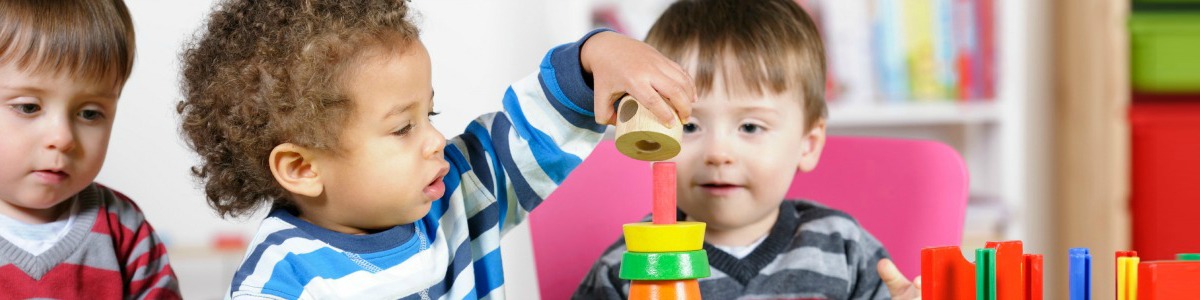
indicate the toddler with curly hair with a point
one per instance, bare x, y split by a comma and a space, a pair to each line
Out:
320, 110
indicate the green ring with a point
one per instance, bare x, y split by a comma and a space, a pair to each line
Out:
664, 265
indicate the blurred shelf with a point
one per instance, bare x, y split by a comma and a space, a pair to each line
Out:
940, 112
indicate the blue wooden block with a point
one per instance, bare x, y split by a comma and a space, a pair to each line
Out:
1081, 274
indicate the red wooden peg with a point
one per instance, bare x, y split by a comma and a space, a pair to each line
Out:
664, 193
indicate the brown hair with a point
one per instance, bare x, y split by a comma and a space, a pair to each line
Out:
264, 73
89, 39
771, 43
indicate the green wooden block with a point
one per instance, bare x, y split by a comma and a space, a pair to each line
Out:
664, 265
985, 274
1188, 256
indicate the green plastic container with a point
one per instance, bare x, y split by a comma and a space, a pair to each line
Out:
1165, 51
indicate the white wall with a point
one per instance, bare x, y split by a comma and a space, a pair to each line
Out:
477, 49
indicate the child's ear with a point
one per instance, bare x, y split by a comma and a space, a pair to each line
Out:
294, 167
811, 147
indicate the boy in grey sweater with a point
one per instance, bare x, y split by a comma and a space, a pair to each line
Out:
759, 67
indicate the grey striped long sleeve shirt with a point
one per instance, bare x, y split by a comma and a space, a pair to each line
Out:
812, 252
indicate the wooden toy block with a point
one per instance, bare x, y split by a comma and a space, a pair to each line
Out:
641, 136
650, 237
1168, 280
1080, 262
664, 193
985, 274
1188, 256
1127, 277
946, 275
1132, 277
1010, 275
1117, 276
1033, 277
664, 266
664, 290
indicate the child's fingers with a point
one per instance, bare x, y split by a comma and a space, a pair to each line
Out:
647, 96
604, 107
686, 80
677, 97
891, 276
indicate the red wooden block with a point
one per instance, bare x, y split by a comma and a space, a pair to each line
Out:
1168, 280
664, 193
1010, 271
1033, 277
946, 275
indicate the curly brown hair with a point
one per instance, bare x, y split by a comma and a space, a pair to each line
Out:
264, 73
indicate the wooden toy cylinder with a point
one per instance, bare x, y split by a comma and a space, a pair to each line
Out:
664, 290
664, 193
641, 136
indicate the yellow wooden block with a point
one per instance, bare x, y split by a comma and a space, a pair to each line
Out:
1122, 278
650, 237
1127, 277
1132, 277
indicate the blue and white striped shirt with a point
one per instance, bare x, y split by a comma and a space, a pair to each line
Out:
502, 167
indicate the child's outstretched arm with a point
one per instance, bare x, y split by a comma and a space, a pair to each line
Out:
506, 163
897, 284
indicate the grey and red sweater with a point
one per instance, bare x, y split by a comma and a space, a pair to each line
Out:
110, 252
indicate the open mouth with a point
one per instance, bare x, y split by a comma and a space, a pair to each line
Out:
436, 188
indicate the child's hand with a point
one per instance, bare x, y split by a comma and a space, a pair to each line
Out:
621, 65
897, 284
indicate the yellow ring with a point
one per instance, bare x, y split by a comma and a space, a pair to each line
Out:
650, 237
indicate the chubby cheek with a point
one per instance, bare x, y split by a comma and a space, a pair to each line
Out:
94, 142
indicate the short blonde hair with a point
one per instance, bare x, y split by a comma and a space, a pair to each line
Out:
91, 39
773, 43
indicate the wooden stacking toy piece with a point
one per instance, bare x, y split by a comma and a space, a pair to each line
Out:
1080, 276
1001, 271
664, 257
1008, 273
1168, 280
1127, 267
641, 136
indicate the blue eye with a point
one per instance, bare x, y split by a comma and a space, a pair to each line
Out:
91, 114
750, 128
27, 108
690, 127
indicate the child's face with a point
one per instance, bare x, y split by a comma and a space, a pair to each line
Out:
391, 166
54, 132
739, 154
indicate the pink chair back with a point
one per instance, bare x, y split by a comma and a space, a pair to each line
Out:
909, 194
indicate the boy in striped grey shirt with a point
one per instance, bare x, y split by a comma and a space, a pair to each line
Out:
759, 67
